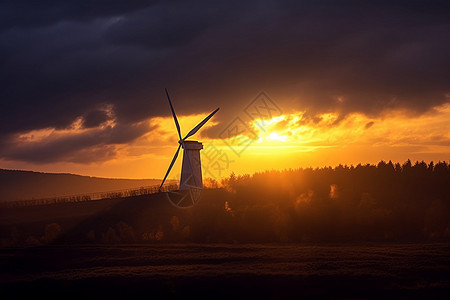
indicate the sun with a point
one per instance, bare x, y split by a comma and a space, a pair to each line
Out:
272, 130
274, 136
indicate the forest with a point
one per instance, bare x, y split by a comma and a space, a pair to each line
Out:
383, 202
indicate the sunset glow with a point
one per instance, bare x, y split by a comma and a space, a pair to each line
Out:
285, 141
270, 149
297, 86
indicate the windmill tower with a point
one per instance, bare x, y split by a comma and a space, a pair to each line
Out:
191, 169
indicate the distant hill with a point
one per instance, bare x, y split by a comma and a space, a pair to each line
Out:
20, 185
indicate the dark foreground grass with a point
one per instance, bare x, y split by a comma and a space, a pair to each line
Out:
394, 271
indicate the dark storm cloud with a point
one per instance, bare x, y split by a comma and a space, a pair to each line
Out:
62, 59
95, 118
29, 13
75, 146
165, 26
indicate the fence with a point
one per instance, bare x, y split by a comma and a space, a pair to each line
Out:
91, 196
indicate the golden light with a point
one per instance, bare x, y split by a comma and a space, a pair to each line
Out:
301, 140
275, 137
292, 140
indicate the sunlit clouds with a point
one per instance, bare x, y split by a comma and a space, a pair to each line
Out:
304, 140
96, 144
82, 91
429, 131
109, 149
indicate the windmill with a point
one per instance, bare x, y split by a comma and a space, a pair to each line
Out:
191, 170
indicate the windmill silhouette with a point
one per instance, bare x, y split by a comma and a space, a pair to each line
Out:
191, 183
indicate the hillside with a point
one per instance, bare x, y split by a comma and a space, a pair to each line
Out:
19, 185
385, 202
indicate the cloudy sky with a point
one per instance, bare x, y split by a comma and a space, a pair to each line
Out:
299, 83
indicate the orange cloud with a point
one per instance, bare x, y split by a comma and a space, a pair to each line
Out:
297, 139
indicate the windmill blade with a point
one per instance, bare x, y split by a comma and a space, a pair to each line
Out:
174, 115
196, 128
171, 165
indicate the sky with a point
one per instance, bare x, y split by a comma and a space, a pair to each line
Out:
298, 83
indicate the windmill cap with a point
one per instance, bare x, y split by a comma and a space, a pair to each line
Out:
192, 145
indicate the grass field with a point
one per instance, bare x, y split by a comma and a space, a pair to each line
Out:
392, 271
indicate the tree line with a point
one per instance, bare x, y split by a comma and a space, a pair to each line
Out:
383, 202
